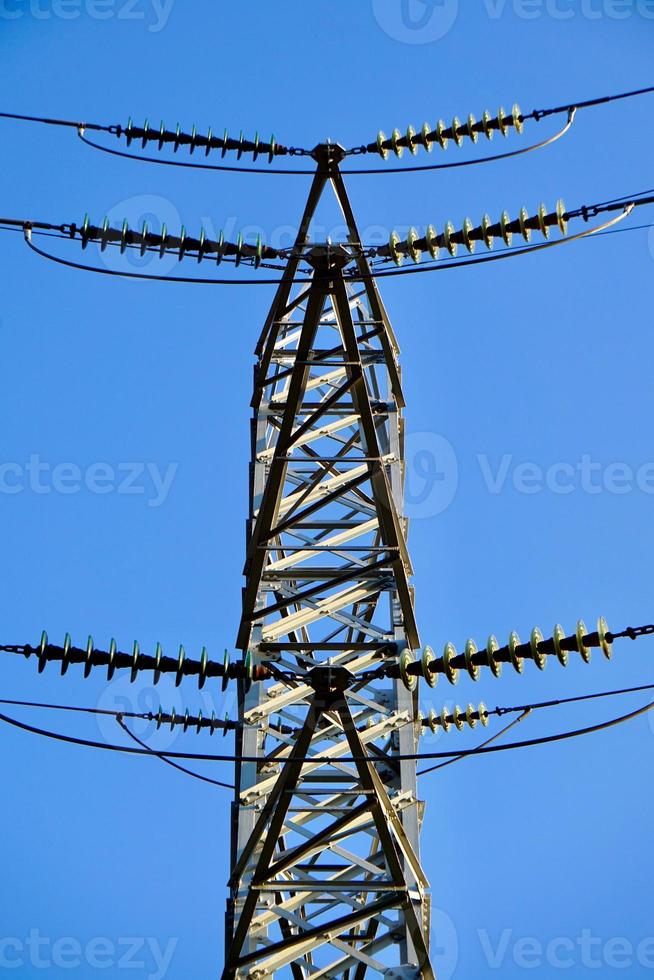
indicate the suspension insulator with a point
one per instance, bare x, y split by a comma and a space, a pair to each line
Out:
239, 249
181, 249
123, 236
225, 679
472, 131
525, 231
426, 142
469, 652
503, 121
158, 654
471, 716
441, 138
450, 245
486, 123
135, 662
560, 217
202, 676
603, 632
396, 255
144, 239
433, 720
111, 664
516, 118
248, 671
467, 230
540, 659
457, 131
410, 681
412, 248
202, 244
492, 646
84, 231
103, 238
410, 137
486, 233
220, 247
580, 633
88, 663
65, 661
562, 655
381, 149
542, 221
180, 666
431, 241
505, 225
428, 658
396, 146
516, 661
449, 653
459, 718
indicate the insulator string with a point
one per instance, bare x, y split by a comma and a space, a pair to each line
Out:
409, 668
187, 164
351, 277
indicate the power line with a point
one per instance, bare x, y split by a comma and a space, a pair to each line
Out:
204, 757
195, 140
169, 762
488, 741
152, 716
351, 277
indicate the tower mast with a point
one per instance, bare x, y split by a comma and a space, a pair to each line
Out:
326, 876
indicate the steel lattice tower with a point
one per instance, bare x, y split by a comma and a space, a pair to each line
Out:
326, 875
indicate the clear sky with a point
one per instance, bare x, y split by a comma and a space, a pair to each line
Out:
539, 860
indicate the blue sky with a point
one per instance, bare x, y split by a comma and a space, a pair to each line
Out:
536, 859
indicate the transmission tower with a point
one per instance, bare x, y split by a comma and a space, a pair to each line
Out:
326, 873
